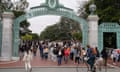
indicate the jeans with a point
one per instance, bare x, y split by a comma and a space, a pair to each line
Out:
71, 56
41, 54
91, 62
59, 60
77, 60
46, 56
66, 59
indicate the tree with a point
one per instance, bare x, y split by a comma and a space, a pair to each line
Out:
51, 32
61, 30
77, 36
24, 24
26, 37
71, 27
35, 36
107, 10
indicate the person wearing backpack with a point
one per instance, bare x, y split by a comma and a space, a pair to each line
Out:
94, 51
91, 57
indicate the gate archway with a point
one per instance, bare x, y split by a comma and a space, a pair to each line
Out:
108, 27
51, 7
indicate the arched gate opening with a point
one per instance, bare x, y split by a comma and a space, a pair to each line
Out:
48, 8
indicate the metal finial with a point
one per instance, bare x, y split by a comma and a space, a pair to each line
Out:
92, 8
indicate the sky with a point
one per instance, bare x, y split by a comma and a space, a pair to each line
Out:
38, 24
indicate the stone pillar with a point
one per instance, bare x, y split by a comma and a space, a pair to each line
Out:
0, 36
6, 51
93, 30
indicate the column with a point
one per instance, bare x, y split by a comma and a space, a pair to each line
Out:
93, 30
118, 40
15, 53
6, 51
0, 36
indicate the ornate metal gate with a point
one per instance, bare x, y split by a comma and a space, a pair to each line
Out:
51, 7
0, 36
108, 27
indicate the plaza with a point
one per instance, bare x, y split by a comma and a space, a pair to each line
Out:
40, 65
56, 70
93, 34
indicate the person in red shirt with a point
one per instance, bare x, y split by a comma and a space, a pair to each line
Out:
66, 54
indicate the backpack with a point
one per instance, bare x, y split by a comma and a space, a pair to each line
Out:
94, 52
55, 51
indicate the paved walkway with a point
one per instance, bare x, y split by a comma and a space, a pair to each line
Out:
38, 62
111, 63
58, 69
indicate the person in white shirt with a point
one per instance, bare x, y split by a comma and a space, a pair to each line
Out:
115, 56
27, 60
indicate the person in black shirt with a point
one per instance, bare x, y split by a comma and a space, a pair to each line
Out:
104, 56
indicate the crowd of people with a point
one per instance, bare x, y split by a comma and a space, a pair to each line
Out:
62, 51
115, 56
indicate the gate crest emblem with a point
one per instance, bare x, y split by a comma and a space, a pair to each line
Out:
52, 3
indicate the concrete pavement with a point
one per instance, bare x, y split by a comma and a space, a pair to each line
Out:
38, 62
57, 69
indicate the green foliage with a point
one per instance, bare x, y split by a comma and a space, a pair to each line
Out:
27, 37
51, 32
32, 36
61, 31
35, 36
77, 36
24, 24
18, 13
107, 10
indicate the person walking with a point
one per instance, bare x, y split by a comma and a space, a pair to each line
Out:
115, 56
104, 56
59, 55
77, 56
66, 55
72, 53
45, 52
41, 51
91, 58
35, 50
27, 60
83, 54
